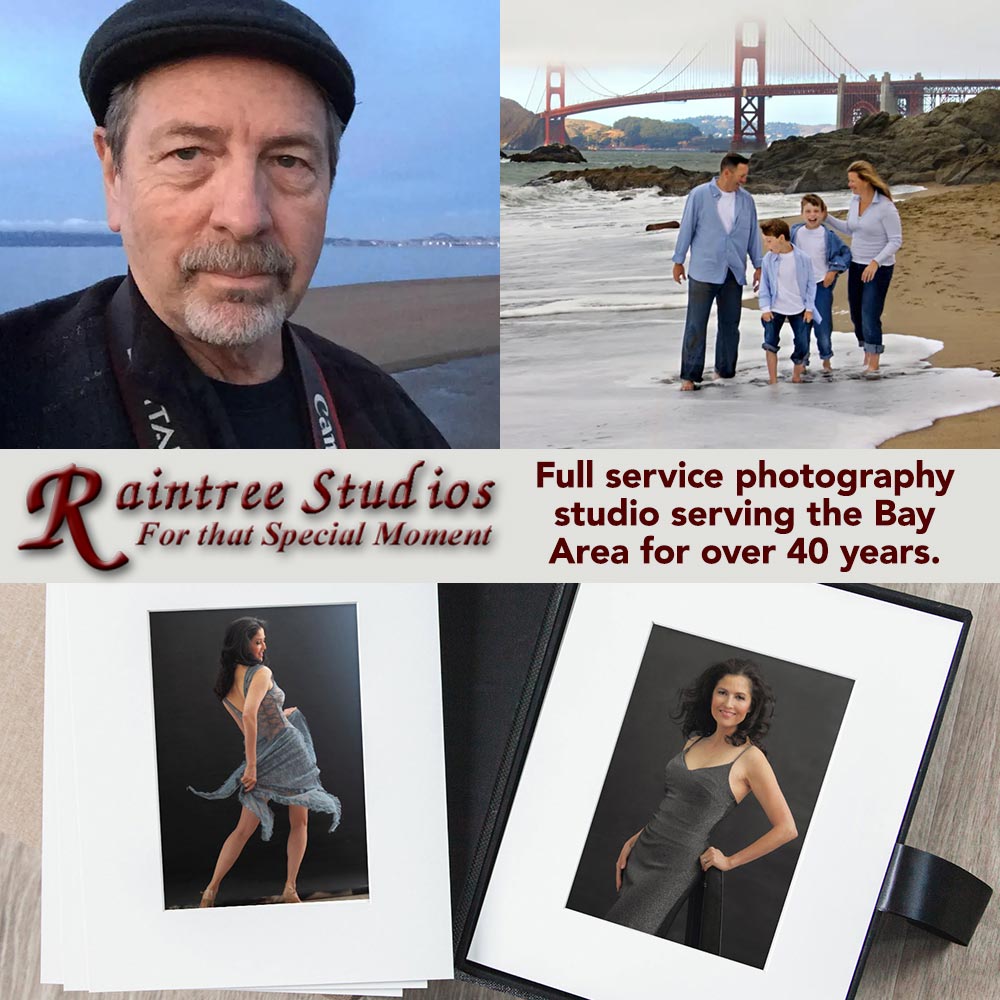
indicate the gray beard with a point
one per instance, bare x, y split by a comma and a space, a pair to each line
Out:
240, 318
233, 323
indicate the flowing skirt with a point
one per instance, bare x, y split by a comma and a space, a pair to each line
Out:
286, 773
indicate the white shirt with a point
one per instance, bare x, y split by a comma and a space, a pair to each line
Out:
788, 298
813, 242
727, 209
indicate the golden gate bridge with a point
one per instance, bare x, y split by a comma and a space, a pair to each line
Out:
777, 61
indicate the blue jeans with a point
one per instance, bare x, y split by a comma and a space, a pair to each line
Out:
701, 295
823, 328
867, 299
800, 335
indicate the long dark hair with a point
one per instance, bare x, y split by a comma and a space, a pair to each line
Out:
694, 703
236, 650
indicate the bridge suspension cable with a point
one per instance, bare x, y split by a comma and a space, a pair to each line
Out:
652, 80
860, 75
531, 89
603, 92
810, 49
643, 88
684, 70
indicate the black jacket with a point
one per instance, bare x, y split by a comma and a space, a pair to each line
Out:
61, 390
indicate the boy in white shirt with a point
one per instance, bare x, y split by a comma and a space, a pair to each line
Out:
830, 256
787, 292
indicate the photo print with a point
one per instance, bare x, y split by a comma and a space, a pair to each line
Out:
280, 684
720, 759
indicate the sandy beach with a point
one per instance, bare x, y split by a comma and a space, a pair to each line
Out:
439, 337
401, 325
946, 287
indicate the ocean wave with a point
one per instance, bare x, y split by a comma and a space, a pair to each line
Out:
577, 193
607, 303
626, 390
515, 195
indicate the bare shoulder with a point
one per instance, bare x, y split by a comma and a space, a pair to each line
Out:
262, 676
754, 758
755, 763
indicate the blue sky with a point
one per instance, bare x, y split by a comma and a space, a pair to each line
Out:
419, 156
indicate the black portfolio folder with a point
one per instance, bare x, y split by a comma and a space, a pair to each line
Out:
499, 644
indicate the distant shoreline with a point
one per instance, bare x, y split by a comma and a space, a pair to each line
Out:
51, 238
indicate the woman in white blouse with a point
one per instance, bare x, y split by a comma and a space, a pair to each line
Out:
873, 224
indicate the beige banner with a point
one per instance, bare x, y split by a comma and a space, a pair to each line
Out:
500, 516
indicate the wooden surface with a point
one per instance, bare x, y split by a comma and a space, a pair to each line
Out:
958, 816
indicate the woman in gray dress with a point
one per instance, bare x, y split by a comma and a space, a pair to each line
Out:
280, 762
724, 716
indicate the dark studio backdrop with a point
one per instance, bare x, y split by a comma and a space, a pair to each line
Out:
809, 708
313, 653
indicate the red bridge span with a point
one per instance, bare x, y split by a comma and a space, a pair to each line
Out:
806, 63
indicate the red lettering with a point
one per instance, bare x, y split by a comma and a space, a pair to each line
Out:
66, 508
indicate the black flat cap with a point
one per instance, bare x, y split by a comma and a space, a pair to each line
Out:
147, 33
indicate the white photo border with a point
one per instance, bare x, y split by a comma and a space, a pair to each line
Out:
901, 660
142, 945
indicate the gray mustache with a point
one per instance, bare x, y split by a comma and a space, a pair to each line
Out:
238, 258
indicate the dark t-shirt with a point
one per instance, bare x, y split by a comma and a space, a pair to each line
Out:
266, 415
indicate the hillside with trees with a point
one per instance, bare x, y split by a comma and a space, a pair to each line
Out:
655, 134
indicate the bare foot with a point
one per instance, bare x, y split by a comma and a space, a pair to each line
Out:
207, 898
289, 895
773, 380
687, 385
797, 373
827, 367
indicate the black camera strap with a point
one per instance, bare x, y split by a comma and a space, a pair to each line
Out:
171, 403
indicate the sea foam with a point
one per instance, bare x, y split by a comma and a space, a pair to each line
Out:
591, 330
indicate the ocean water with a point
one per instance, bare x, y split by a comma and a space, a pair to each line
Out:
30, 274
591, 329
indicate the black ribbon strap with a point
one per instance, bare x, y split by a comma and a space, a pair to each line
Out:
934, 894
323, 420
171, 404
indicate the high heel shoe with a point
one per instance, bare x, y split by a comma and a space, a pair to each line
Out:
207, 898
289, 895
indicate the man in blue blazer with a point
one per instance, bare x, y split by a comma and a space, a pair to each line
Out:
719, 227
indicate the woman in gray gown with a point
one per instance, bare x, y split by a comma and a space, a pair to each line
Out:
280, 762
724, 715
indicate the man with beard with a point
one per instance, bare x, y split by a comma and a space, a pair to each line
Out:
218, 131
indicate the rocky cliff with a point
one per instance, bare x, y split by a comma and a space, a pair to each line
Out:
953, 144
519, 128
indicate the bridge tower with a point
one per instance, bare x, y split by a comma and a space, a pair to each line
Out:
555, 98
748, 112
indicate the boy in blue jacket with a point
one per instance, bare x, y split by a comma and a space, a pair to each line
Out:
787, 292
830, 256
